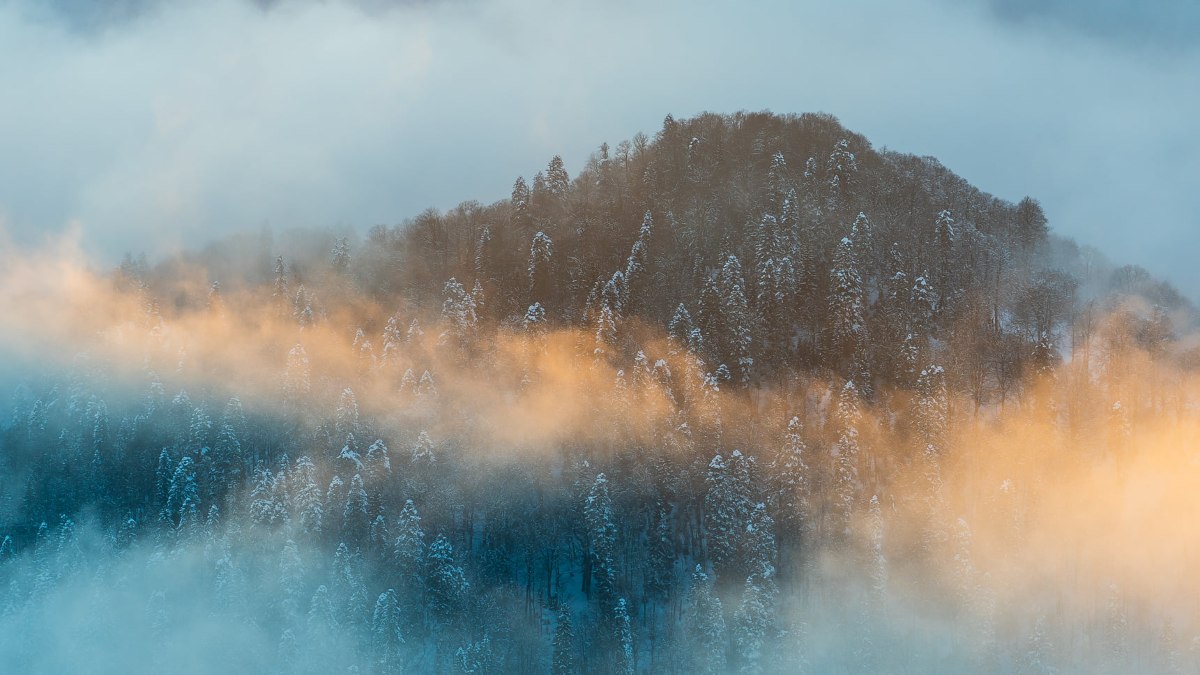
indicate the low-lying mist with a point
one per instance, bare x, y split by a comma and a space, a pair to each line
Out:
249, 478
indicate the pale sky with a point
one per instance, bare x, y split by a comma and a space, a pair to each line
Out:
157, 123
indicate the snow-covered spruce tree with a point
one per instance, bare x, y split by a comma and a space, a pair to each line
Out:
845, 458
307, 501
753, 623
727, 508
932, 417
847, 309
321, 630
280, 295
541, 279
606, 331
602, 538
704, 643
625, 660
347, 417
267, 507
408, 550
414, 333
184, 494
922, 307
721, 514
841, 171
347, 588
945, 233
378, 462
636, 272
426, 388
162, 483
446, 583
535, 319
660, 563
679, 329
614, 293
226, 458
392, 340
387, 631
423, 450
476, 656
862, 234
563, 661
758, 543
302, 307
520, 217
869, 652
932, 409
736, 318
356, 515
774, 301
558, 181
458, 315
710, 321
379, 541
339, 256
291, 580
789, 500
877, 559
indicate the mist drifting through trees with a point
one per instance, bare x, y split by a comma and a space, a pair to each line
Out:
747, 396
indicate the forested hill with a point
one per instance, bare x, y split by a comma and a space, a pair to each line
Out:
773, 243
750, 396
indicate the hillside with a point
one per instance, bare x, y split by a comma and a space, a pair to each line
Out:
748, 396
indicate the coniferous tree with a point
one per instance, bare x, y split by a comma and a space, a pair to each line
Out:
356, 516
387, 630
845, 455
791, 489
307, 501
183, 494
660, 563
521, 218
458, 313
541, 257
266, 508
322, 627
280, 294
339, 257
625, 656
602, 536
704, 626
847, 310
347, 419
291, 579
753, 623
446, 583
636, 272
736, 318
558, 181
563, 662
727, 507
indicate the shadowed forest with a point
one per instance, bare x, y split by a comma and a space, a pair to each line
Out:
748, 395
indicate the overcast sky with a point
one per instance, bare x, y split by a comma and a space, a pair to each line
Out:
149, 124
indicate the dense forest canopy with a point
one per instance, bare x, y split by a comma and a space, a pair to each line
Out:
747, 396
